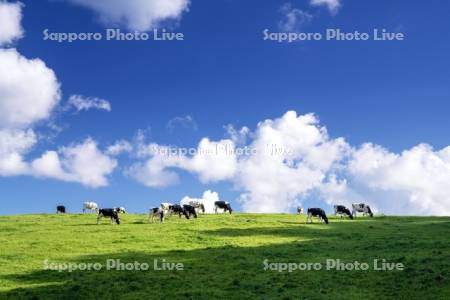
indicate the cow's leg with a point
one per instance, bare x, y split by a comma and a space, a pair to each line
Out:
161, 217
99, 216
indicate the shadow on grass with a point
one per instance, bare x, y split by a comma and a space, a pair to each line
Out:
232, 272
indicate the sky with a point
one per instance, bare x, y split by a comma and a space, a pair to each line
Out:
357, 121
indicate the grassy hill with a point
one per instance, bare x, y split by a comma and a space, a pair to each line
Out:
223, 257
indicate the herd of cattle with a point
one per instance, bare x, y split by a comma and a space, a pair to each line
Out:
165, 209
193, 208
340, 210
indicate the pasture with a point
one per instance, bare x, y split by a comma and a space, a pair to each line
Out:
223, 257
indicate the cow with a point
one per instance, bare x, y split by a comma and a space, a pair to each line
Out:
90, 207
197, 205
190, 210
120, 210
108, 212
222, 205
316, 212
178, 209
342, 210
362, 208
299, 210
166, 208
156, 211
61, 209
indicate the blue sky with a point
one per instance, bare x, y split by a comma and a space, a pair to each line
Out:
393, 94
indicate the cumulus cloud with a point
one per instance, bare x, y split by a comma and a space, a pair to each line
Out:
208, 199
29, 90
83, 163
292, 158
29, 93
293, 155
139, 15
414, 181
10, 22
80, 103
332, 5
14, 143
238, 136
211, 161
292, 18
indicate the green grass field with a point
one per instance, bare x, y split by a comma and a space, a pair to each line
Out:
223, 257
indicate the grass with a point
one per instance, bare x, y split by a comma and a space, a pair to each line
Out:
223, 257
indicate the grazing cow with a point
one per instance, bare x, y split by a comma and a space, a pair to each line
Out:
190, 210
178, 209
61, 209
90, 207
316, 212
156, 211
120, 210
108, 212
299, 210
166, 208
197, 205
222, 205
342, 210
362, 208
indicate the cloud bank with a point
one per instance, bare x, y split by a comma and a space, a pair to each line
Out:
288, 159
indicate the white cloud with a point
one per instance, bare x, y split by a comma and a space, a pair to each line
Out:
292, 18
412, 182
29, 90
83, 163
208, 199
119, 147
10, 22
292, 158
185, 122
142, 15
29, 93
211, 161
86, 103
154, 172
14, 143
332, 5
238, 136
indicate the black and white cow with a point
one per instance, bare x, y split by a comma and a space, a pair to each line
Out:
361, 208
316, 212
190, 210
108, 212
120, 210
197, 205
61, 209
166, 208
222, 205
156, 212
178, 209
342, 210
299, 210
